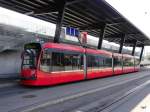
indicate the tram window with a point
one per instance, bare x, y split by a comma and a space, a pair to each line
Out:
61, 61
92, 62
45, 61
128, 62
137, 61
132, 60
65, 62
68, 62
29, 59
107, 62
57, 64
76, 64
89, 62
98, 62
27, 62
101, 62
117, 62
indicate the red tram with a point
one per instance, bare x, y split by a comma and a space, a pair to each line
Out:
53, 63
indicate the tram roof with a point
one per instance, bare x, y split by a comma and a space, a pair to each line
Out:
87, 15
64, 47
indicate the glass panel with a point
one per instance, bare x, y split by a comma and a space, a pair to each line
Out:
137, 62
128, 61
29, 59
98, 62
108, 62
57, 61
89, 62
117, 61
45, 61
60, 61
95, 63
101, 62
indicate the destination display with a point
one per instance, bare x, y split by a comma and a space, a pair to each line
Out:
32, 46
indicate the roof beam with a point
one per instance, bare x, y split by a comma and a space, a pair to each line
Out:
70, 2
52, 7
116, 23
96, 25
43, 11
48, 9
93, 26
14, 7
114, 36
119, 35
78, 14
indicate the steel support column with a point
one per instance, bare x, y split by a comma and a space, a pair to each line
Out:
102, 33
134, 46
122, 43
61, 11
141, 54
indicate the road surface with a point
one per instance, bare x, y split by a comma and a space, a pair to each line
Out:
84, 96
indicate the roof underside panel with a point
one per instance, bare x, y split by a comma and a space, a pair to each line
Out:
86, 15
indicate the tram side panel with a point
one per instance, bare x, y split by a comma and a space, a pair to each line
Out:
57, 66
128, 64
60, 63
61, 67
136, 64
98, 64
117, 64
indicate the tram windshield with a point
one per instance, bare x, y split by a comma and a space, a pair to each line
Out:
29, 59
30, 56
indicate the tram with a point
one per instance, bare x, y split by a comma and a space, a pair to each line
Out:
57, 63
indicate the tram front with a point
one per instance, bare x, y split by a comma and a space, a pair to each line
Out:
30, 57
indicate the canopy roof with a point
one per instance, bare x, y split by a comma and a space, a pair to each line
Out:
87, 15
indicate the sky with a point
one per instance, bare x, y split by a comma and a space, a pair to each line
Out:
136, 11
